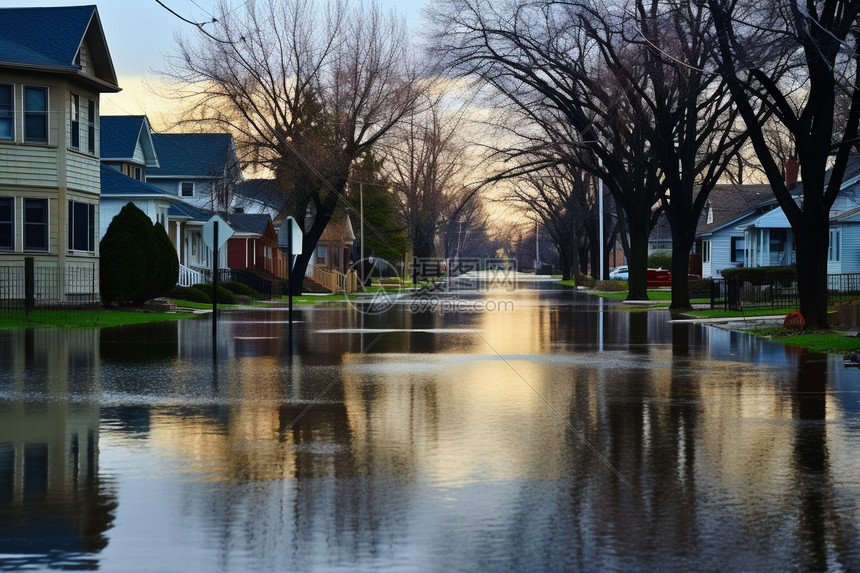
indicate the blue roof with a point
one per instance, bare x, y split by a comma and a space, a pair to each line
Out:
248, 223
119, 135
51, 37
43, 36
182, 209
187, 155
266, 191
116, 184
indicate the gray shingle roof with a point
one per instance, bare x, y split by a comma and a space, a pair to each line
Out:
188, 155
119, 135
730, 202
117, 184
50, 37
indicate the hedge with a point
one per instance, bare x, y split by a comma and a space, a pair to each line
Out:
224, 295
240, 288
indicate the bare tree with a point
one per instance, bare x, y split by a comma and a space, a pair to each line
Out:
817, 43
660, 53
430, 172
306, 88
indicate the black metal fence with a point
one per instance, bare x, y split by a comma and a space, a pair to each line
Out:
27, 288
265, 287
776, 292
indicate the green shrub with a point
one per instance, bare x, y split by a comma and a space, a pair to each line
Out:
224, 295
611, 286
190, 294
700, 286
660, 260
137, 260
761, 272
240, 288
586, 281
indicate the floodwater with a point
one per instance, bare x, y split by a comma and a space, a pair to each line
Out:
534, 429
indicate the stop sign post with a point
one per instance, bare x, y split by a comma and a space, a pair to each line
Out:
216, 232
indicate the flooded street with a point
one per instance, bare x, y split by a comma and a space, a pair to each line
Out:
553, 432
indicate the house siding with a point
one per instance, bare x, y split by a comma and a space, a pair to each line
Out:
82, 172
851, 248
28, 166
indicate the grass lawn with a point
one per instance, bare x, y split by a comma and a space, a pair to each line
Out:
16, 318
826, 341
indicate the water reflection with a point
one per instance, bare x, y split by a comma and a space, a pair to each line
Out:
562, 435
55, 507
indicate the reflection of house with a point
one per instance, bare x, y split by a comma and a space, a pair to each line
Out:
52, 499
54, 64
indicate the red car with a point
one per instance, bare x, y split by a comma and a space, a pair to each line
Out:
659, 278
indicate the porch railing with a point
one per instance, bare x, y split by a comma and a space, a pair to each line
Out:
335, 281
188, 276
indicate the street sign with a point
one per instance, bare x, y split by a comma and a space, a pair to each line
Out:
224, 232
283, 239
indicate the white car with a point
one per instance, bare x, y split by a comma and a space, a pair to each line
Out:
618, 273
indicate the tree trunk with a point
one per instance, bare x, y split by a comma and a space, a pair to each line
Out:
682, 243
637, 263
812, 245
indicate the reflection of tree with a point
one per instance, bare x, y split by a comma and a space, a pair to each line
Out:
53, 502
821, 527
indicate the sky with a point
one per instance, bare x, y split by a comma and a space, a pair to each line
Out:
140, 32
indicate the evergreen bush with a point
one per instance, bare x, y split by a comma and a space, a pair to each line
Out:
190, 294
241, 288
224, 295
137, 260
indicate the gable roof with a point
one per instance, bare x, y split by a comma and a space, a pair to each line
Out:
730, 203
265, 191
120, 135
117, 184
183, 210
248, 224
50, 38
192, 155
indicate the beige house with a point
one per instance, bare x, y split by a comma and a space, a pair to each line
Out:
54, 64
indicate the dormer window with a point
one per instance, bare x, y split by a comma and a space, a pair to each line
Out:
187, 188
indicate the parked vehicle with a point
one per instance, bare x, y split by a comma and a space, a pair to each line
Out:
659, 278
618, 273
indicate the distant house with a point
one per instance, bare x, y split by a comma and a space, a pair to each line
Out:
721, 231
127, 152
334, 247
202, 169
254, 245
54, 64
260, 196
757, 233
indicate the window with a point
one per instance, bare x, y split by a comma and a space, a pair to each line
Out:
706, 251
138, 173
35, 114
75, 122
7, 224
7, 108
82, 227
322, 251
835, 247
91, 126
35, 224
738, 248
187, 188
